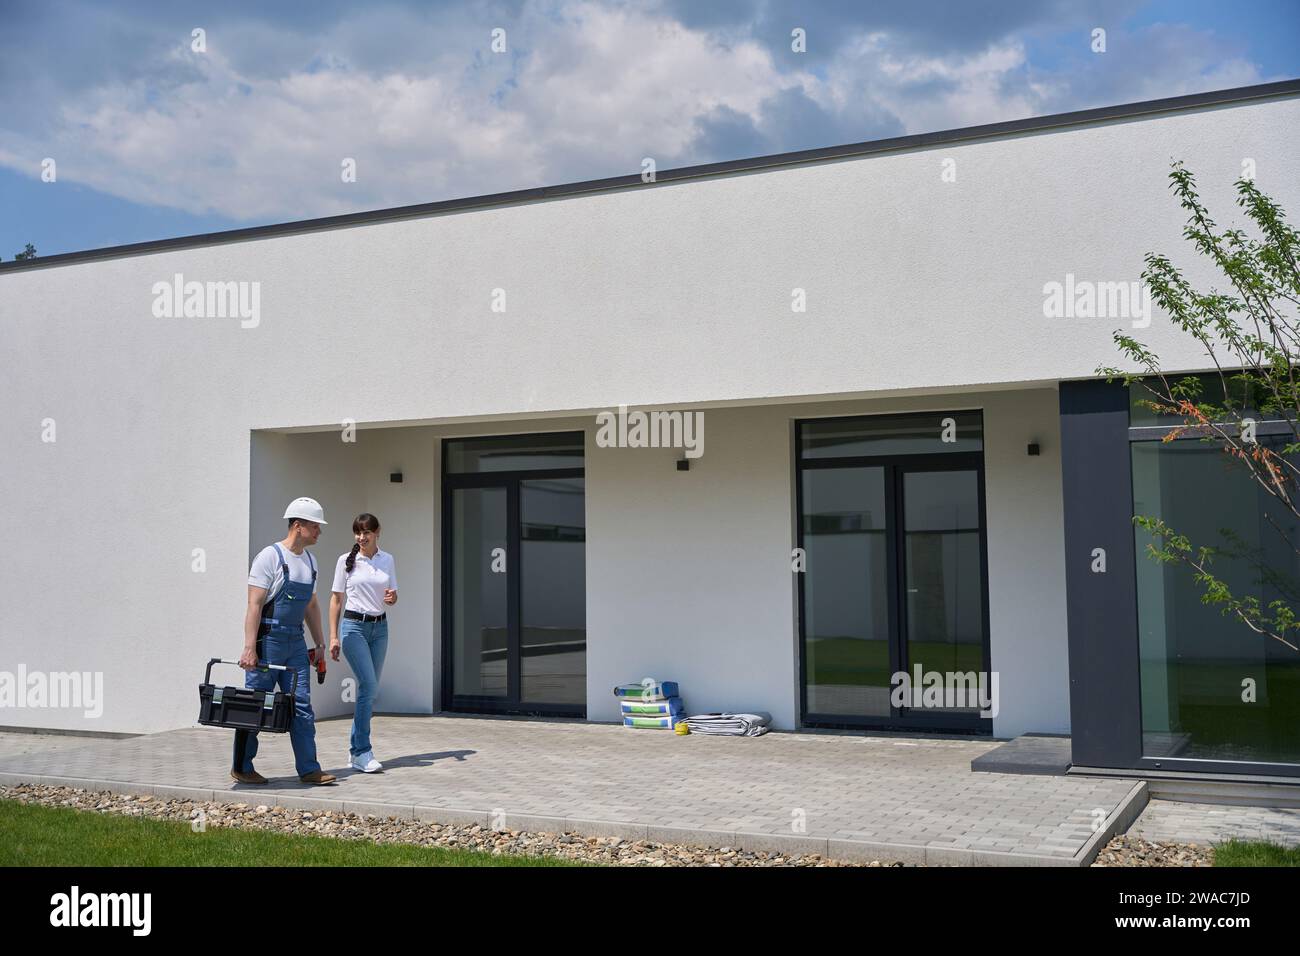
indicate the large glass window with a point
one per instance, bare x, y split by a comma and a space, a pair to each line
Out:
553, 595
513, 453
944, 579
516, 624
925, 433
1212, 688
1227, 391
891, 523
479, 592
846, 537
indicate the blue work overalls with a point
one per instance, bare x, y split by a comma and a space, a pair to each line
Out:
279, 641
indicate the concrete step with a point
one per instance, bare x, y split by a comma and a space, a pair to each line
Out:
1227, 793
1239, 790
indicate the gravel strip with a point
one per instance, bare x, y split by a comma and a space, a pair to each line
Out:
611, 851
333, 823
1135, 851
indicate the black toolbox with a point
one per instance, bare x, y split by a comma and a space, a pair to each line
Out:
239, 708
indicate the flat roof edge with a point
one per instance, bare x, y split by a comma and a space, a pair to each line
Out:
1242, 94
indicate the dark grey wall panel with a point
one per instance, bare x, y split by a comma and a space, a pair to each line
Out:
1105, 707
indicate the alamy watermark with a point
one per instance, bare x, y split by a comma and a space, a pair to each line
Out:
637, 429
208, 300
75, 908
1085, 299
922, 689
55, 689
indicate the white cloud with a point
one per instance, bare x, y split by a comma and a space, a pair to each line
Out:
596, 90
928, 92
587, 90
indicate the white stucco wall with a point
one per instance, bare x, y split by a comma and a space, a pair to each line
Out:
688, 574
671, 293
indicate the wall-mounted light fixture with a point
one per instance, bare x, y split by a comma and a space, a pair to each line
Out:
1033, 448
395, 477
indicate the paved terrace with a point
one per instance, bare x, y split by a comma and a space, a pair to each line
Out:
846, 797
1178, 822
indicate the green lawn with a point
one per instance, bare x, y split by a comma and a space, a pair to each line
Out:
854, 662
1254, 853
58, 836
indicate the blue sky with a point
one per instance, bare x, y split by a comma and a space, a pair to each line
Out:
152, 138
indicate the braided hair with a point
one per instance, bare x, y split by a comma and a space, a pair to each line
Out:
363, 522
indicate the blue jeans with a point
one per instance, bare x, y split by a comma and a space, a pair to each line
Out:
289, 650
365, 644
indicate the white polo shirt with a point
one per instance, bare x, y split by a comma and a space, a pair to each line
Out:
365, 586
265, 571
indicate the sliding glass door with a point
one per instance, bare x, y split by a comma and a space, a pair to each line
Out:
943, 573
847, 536
514, 528
892, 530
480, 602
552, 596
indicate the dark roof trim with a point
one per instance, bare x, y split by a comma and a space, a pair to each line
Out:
1034, 124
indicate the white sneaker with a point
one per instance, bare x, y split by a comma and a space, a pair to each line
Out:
366, 763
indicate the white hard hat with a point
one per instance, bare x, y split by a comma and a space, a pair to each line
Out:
308, 509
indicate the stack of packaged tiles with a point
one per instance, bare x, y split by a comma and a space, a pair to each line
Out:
650, 704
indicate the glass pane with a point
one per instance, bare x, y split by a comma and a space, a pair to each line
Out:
554, 599
514, 453
919, 434
1212, 688
479, 582
944, 582
846, 584
1211, 390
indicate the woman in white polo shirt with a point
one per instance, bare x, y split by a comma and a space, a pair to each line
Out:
365, 583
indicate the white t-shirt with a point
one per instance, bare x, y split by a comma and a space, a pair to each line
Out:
265, 571
365, 586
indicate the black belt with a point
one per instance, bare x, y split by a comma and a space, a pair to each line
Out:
358, 616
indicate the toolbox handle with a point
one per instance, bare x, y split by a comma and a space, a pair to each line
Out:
293, 681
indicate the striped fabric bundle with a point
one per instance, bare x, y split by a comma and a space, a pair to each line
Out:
730, 725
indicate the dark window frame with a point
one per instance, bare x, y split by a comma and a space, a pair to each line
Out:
1159, 433
895, 468
510, 481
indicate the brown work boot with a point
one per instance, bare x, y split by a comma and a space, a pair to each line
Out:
251, 777
317, 776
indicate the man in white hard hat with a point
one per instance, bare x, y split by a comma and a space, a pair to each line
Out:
281, 597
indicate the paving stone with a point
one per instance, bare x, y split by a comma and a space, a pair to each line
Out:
461, 770
1175, 821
